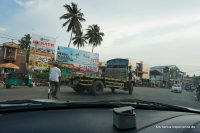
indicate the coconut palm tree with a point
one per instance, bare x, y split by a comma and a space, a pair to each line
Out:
79, 40
25, 43
94, 35
73, 18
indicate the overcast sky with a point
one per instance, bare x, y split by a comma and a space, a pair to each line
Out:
159, 32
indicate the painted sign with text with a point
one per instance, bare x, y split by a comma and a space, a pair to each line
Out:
42, 50
78, 60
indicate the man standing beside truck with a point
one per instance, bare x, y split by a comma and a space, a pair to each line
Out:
54, 77
130, 74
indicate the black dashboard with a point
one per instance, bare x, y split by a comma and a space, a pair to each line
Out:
95, 120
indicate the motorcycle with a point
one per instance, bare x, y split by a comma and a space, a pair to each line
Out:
198, 94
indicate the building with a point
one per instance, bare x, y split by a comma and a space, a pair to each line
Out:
166, 76
11, 58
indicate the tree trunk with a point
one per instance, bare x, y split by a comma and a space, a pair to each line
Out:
92, 48
70, 40
27, 54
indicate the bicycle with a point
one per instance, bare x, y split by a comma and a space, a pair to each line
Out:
50, 90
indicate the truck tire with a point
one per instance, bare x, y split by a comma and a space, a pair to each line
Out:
8, 86
79, 89
130, 88
113, 90
97, 88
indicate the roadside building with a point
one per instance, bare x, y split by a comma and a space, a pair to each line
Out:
166, 76
11, 58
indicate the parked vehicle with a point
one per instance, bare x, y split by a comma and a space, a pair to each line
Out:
198, 92
176, 88
17, 79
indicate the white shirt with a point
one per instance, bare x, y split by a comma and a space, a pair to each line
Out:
54, 74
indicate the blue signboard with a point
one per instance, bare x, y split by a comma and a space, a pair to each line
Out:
77, 57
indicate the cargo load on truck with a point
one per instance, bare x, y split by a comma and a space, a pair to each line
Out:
80, 69
76, 62
115, 75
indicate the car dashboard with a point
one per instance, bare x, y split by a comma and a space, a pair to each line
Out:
96, 120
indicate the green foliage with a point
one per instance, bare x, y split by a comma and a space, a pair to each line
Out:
25, 43
73, 18
79, 40
196, 80
40, 75
94, 35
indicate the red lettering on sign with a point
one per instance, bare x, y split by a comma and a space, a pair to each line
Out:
47, 44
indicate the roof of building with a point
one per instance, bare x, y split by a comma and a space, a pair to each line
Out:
161, 67
11, 44
9, 65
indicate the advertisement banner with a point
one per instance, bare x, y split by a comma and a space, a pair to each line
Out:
78, 60
42, 50
37, 62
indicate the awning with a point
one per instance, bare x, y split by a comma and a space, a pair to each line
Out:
155, 72
9, 65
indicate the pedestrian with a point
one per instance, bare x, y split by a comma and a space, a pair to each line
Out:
130, 75
54, 77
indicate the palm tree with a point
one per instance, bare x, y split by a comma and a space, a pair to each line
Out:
25, 43
79, 40
73, 18
94, 35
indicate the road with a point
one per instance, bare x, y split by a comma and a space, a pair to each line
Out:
143, 93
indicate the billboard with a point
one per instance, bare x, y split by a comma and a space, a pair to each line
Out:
77, 60
42, 50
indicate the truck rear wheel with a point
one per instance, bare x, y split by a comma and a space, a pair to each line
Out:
130, 88
10, 86
79, 89
97, 88
113, 90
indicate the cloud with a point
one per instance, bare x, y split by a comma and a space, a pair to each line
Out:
118, 32
2, 29
152, 37
26, 3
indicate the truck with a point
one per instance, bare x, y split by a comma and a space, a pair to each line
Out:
114, 76
80, 70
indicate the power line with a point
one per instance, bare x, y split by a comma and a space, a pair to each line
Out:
8, 36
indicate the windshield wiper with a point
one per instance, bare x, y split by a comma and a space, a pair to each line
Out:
47, 104
140, 104
38, 102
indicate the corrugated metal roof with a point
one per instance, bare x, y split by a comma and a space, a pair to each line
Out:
11, 44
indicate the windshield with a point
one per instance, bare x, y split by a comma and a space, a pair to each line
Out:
100, 50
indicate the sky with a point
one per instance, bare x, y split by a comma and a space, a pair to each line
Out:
157, 32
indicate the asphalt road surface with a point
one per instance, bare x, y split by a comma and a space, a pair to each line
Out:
161, 95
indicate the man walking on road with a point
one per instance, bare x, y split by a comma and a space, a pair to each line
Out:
54, 77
